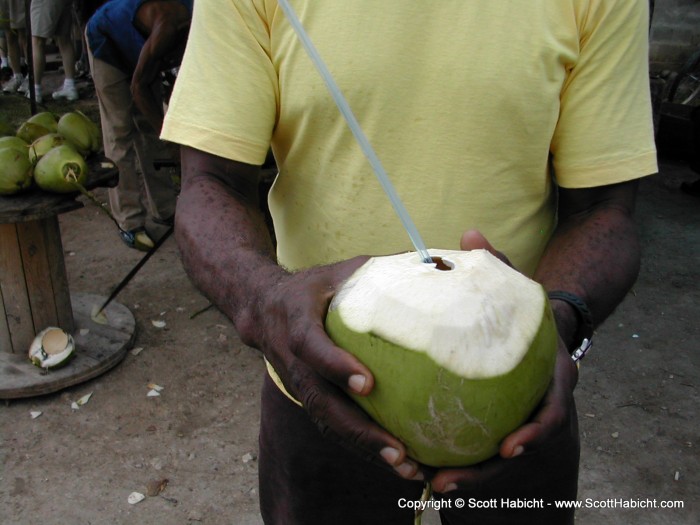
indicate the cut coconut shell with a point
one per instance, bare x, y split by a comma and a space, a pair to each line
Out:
51, 348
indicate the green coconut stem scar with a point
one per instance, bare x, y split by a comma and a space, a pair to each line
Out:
69, 172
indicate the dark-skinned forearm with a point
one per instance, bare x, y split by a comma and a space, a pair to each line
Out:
225, 245
594, 253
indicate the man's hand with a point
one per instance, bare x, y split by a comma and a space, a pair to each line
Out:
551, 423
596, 222
280, 313
288, 326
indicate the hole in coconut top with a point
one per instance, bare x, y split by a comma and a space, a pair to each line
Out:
54, 341
443, 265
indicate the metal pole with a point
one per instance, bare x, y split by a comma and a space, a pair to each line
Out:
30, 57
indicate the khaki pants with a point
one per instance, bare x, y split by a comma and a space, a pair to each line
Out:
130, 142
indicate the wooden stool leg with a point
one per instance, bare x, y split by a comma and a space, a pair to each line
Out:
33, 283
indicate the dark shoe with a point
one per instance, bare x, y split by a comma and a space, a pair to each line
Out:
137, 239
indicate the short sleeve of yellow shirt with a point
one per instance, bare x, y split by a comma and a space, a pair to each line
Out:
472, 108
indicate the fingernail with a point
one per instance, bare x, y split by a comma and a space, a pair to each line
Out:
517, 451
357, 382
407, 470
390, 455
418, 477
450, 487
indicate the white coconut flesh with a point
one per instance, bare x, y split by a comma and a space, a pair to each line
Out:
460, 355
51, 348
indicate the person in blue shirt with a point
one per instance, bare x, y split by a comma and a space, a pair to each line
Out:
130, 42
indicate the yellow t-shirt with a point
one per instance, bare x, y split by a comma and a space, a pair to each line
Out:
468, 105
463, 102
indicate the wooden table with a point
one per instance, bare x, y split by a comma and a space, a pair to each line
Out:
34, 295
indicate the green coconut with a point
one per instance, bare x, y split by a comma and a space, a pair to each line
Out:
45, 119
461, 356
43, 145
61, 170
12, 142
29, 131
80, 131
51, 348
37, 125
15, 170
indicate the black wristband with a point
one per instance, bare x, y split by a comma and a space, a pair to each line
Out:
584, 332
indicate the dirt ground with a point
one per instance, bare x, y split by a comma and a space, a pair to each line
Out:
637, 395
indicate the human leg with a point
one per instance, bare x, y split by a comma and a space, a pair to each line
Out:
15, 35
38, 64
13, 55
5, 71
158, 187
52, 19
118, 132
42, 28
66, 47
306, 479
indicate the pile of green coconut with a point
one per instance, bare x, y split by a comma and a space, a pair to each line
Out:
48, 152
